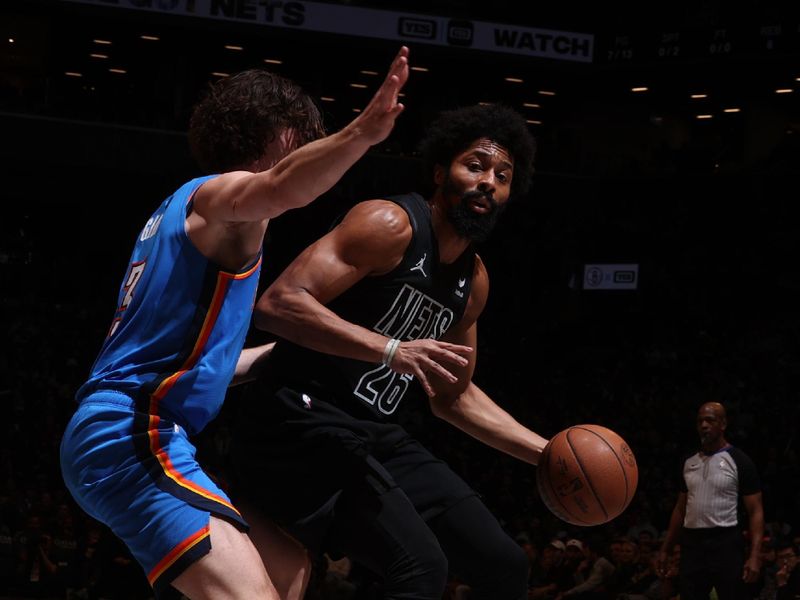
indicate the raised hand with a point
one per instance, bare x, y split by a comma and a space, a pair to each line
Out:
377, 120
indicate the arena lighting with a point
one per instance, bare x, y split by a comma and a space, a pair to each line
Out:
233, 47
421, 69
102, 42
531, 105
731, 110
369, 72
220, 74
546, 93
73, 74
704, 116
10, 40
97, 55
360, 86
327, 99
514, 80
273, 61
640, 89
698, 96
533, 121
150, 38
356, 110
784, 91
118, 71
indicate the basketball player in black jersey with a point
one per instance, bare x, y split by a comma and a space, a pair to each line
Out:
390, 295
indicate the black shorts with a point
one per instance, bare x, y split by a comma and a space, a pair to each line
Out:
294, 454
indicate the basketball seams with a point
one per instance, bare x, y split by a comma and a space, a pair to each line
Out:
614, 452
546, 491
570, 458
552, 494
584, 472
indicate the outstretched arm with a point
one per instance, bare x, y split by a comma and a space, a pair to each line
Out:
466, 406
309, 171
477, 414
371, 240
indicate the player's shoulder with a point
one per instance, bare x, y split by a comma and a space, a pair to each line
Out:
479, 291
379, 216
480, 268
480, 277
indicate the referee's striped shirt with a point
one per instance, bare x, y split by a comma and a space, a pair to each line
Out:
714, 483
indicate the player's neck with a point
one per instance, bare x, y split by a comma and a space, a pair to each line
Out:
451, 244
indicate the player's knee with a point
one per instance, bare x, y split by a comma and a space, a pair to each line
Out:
421, 575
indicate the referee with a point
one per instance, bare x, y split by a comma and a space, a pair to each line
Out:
712, 546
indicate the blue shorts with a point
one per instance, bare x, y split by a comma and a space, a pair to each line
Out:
137, 474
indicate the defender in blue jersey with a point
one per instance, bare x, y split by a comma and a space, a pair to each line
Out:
387, 300
182, 314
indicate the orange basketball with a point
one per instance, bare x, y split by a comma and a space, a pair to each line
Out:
587, 475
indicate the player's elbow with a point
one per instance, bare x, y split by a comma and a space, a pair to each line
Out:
266, 311
437, 409
261, 318
276, 310
444, 405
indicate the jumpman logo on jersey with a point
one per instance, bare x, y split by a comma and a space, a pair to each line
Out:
461, 283
420, 264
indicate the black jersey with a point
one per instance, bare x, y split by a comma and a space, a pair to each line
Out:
420, 298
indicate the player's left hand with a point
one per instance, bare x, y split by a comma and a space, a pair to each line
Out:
377, 120
421, 357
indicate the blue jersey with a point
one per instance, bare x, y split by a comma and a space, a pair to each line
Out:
180, 323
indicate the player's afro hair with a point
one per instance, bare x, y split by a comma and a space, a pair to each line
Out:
454, 130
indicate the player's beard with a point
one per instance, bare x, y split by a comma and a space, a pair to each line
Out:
469, 224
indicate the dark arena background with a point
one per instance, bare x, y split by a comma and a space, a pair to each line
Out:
648, 270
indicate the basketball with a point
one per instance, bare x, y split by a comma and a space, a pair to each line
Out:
587, 475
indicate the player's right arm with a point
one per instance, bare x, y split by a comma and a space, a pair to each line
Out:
464, 405
675, 523
250, 364
370, 240
309, 171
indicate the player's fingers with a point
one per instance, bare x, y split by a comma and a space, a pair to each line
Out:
451, 357
435, 367
421, 377
402, 71
400, 59
385, 99
456, 348
392, 90
398, 65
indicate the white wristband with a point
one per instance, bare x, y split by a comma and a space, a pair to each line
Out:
389, 351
